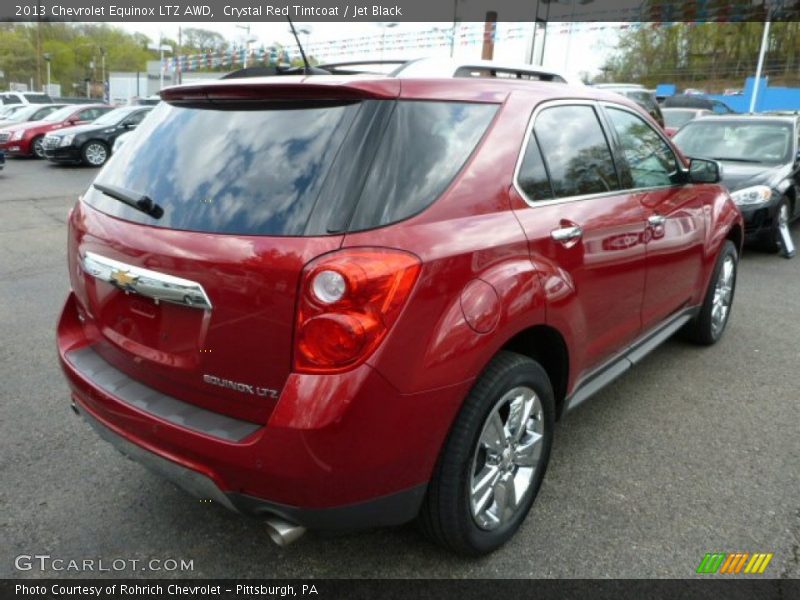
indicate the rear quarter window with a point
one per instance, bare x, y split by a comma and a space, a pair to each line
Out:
425, 145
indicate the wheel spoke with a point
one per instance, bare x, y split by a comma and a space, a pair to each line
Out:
505, 497
494, 436
483, 487
520, 413
527, 454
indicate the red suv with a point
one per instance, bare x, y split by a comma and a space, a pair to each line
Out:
25, 139
340, 302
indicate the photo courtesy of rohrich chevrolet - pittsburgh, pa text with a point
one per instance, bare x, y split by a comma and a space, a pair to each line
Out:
366, 299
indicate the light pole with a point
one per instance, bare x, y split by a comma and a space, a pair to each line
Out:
384, 27
760, 66
306, 31
247, 43
161, 48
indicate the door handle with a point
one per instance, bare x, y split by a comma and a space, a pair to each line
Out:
657, 220
567, 234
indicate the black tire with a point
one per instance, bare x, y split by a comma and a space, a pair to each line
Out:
446, 516
771, 241
703, 329
37, 148
95, 153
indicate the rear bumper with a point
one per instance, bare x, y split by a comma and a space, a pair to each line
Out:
385, 511
340, 453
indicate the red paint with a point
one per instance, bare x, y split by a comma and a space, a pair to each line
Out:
488, 270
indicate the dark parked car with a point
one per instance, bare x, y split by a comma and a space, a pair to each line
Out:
675, 118
2, 159
643, 97
701, 102
92, 143
761, 167
342, 302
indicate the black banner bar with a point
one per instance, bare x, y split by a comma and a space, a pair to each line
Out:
398, 10
744, 588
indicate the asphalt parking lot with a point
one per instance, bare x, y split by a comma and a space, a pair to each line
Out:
694, 451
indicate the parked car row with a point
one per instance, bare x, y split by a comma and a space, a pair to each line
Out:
77, 133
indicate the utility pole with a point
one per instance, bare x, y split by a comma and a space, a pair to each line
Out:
38, 52
759, 68
47, 58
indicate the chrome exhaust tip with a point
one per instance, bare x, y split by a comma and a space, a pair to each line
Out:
282, 532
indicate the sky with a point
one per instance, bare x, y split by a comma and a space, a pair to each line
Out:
584, 50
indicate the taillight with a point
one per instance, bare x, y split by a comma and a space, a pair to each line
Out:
348, 302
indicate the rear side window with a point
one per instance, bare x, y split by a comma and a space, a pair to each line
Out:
575, 151
38, 98
422, 150
11, 100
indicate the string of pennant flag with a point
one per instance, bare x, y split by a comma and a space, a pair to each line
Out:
465, 35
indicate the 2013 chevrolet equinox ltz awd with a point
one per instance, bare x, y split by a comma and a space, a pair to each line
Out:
353, 301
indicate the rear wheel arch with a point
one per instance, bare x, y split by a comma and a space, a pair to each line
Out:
546, 346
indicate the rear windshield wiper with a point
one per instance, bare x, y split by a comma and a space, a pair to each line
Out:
135, 200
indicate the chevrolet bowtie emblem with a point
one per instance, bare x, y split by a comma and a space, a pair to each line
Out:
123, 279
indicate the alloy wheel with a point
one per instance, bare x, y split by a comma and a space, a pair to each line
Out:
38, 148
506, 458
723, 295
95, 154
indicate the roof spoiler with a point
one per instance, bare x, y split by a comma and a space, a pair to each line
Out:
252, 91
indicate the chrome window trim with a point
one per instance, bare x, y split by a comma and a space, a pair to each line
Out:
152, 284
598, 105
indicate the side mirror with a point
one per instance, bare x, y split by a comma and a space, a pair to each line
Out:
129, 126
702, 170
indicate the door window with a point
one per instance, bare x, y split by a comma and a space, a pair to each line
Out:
649, 158
575, 150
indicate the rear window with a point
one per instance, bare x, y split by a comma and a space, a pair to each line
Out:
273, 170
38, 98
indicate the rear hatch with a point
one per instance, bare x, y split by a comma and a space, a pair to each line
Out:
238, 187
